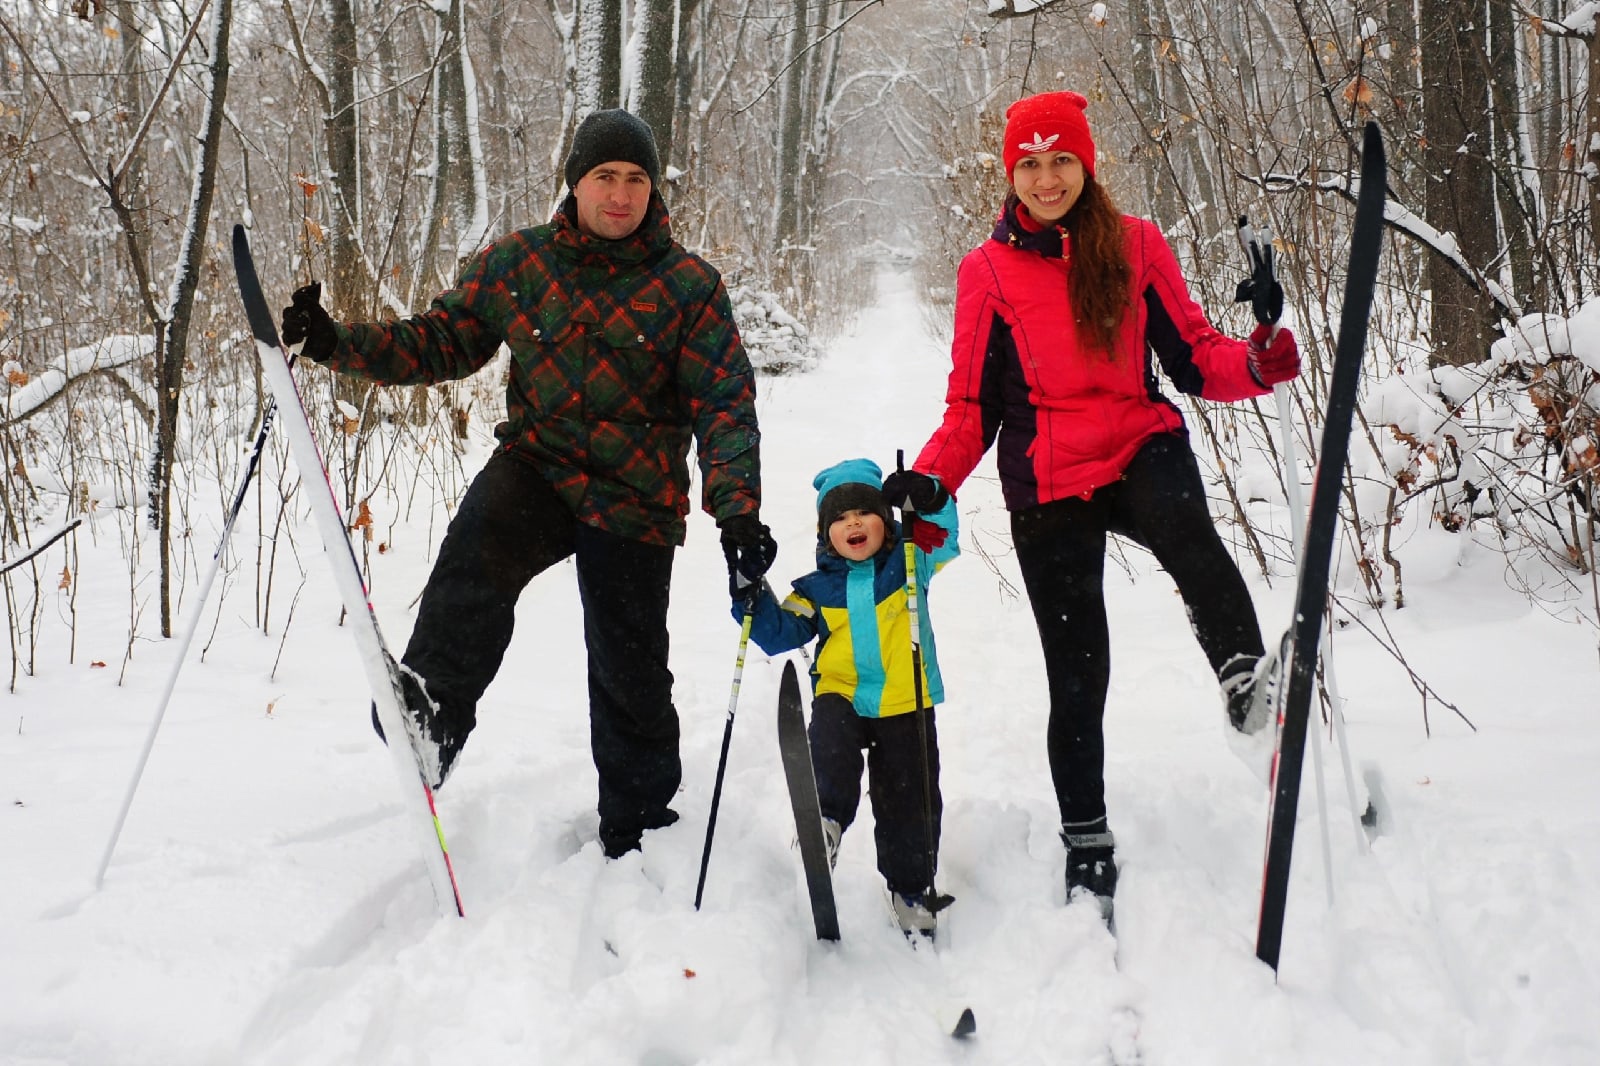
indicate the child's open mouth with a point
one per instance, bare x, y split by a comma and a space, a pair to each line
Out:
856, 540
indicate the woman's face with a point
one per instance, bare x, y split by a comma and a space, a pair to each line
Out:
1048, 184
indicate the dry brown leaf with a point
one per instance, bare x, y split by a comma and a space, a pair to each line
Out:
97, 664
363, 521
66, 579
1358, 92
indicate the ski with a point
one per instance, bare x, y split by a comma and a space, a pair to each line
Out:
383, 674
1297, 653
802, 781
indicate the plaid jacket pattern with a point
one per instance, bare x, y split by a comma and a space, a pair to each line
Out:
621, 351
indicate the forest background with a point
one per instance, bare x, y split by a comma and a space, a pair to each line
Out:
807, 145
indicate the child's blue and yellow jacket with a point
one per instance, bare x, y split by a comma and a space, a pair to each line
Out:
857, 612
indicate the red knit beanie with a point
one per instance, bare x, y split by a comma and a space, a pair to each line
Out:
1048, 122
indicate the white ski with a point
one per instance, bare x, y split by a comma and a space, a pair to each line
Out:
383, 674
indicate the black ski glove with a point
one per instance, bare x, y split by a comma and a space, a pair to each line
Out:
305, 320
923, 493
750, 550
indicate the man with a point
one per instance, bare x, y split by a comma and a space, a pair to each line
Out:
622, 346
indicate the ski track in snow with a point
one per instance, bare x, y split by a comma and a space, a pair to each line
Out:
266, 906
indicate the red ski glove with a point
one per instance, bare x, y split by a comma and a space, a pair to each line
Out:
927, 536
1273, 358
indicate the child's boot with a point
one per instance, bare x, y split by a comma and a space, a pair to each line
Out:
912, 915
831, 832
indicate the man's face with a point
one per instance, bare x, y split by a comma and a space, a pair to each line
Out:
612, 199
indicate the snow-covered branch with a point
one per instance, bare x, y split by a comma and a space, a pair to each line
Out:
1013, 9
1403, 219
1581, 22
26, 395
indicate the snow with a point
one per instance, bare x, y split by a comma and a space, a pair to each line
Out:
265, 904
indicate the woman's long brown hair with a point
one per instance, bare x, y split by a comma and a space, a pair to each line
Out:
1098, 269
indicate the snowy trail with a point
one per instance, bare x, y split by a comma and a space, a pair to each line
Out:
265, 905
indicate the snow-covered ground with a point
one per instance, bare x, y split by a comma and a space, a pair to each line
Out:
265, 904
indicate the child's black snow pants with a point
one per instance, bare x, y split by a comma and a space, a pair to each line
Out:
893, 759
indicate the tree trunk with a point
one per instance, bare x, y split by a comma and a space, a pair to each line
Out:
599, 73
169, 370
340, 127
1518, 199
458, 184
1160, 192
653, 94
1460, 183
1590, 283
686, 68
791, 127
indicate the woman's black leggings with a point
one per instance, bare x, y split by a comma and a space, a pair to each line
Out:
1061, 546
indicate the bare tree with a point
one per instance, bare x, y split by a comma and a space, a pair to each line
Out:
1459, 181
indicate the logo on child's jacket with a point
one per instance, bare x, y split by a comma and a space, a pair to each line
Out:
640, 305
1039, 144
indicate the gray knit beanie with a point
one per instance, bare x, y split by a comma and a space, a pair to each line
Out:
609, 137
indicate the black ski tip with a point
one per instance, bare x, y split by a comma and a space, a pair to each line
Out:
262, 327
1372, 140
966, 1025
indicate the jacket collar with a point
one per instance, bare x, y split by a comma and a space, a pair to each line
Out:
1047, 239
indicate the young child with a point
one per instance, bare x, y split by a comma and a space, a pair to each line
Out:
864, 695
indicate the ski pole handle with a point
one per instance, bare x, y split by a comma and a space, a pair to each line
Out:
1266, 296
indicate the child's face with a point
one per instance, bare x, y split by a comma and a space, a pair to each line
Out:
857, 535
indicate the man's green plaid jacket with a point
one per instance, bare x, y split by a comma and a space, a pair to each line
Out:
620, 351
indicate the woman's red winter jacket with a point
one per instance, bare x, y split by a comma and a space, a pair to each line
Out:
1069, 420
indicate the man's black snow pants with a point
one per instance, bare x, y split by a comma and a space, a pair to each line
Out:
896, 775
1061, 546
511, 526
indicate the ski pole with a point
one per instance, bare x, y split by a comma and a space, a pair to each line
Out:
908, 514
1266, 301
750, 595
189, 629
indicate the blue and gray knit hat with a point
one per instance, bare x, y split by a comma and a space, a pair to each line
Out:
853, 485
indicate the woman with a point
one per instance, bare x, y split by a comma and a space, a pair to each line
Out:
1061, 317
